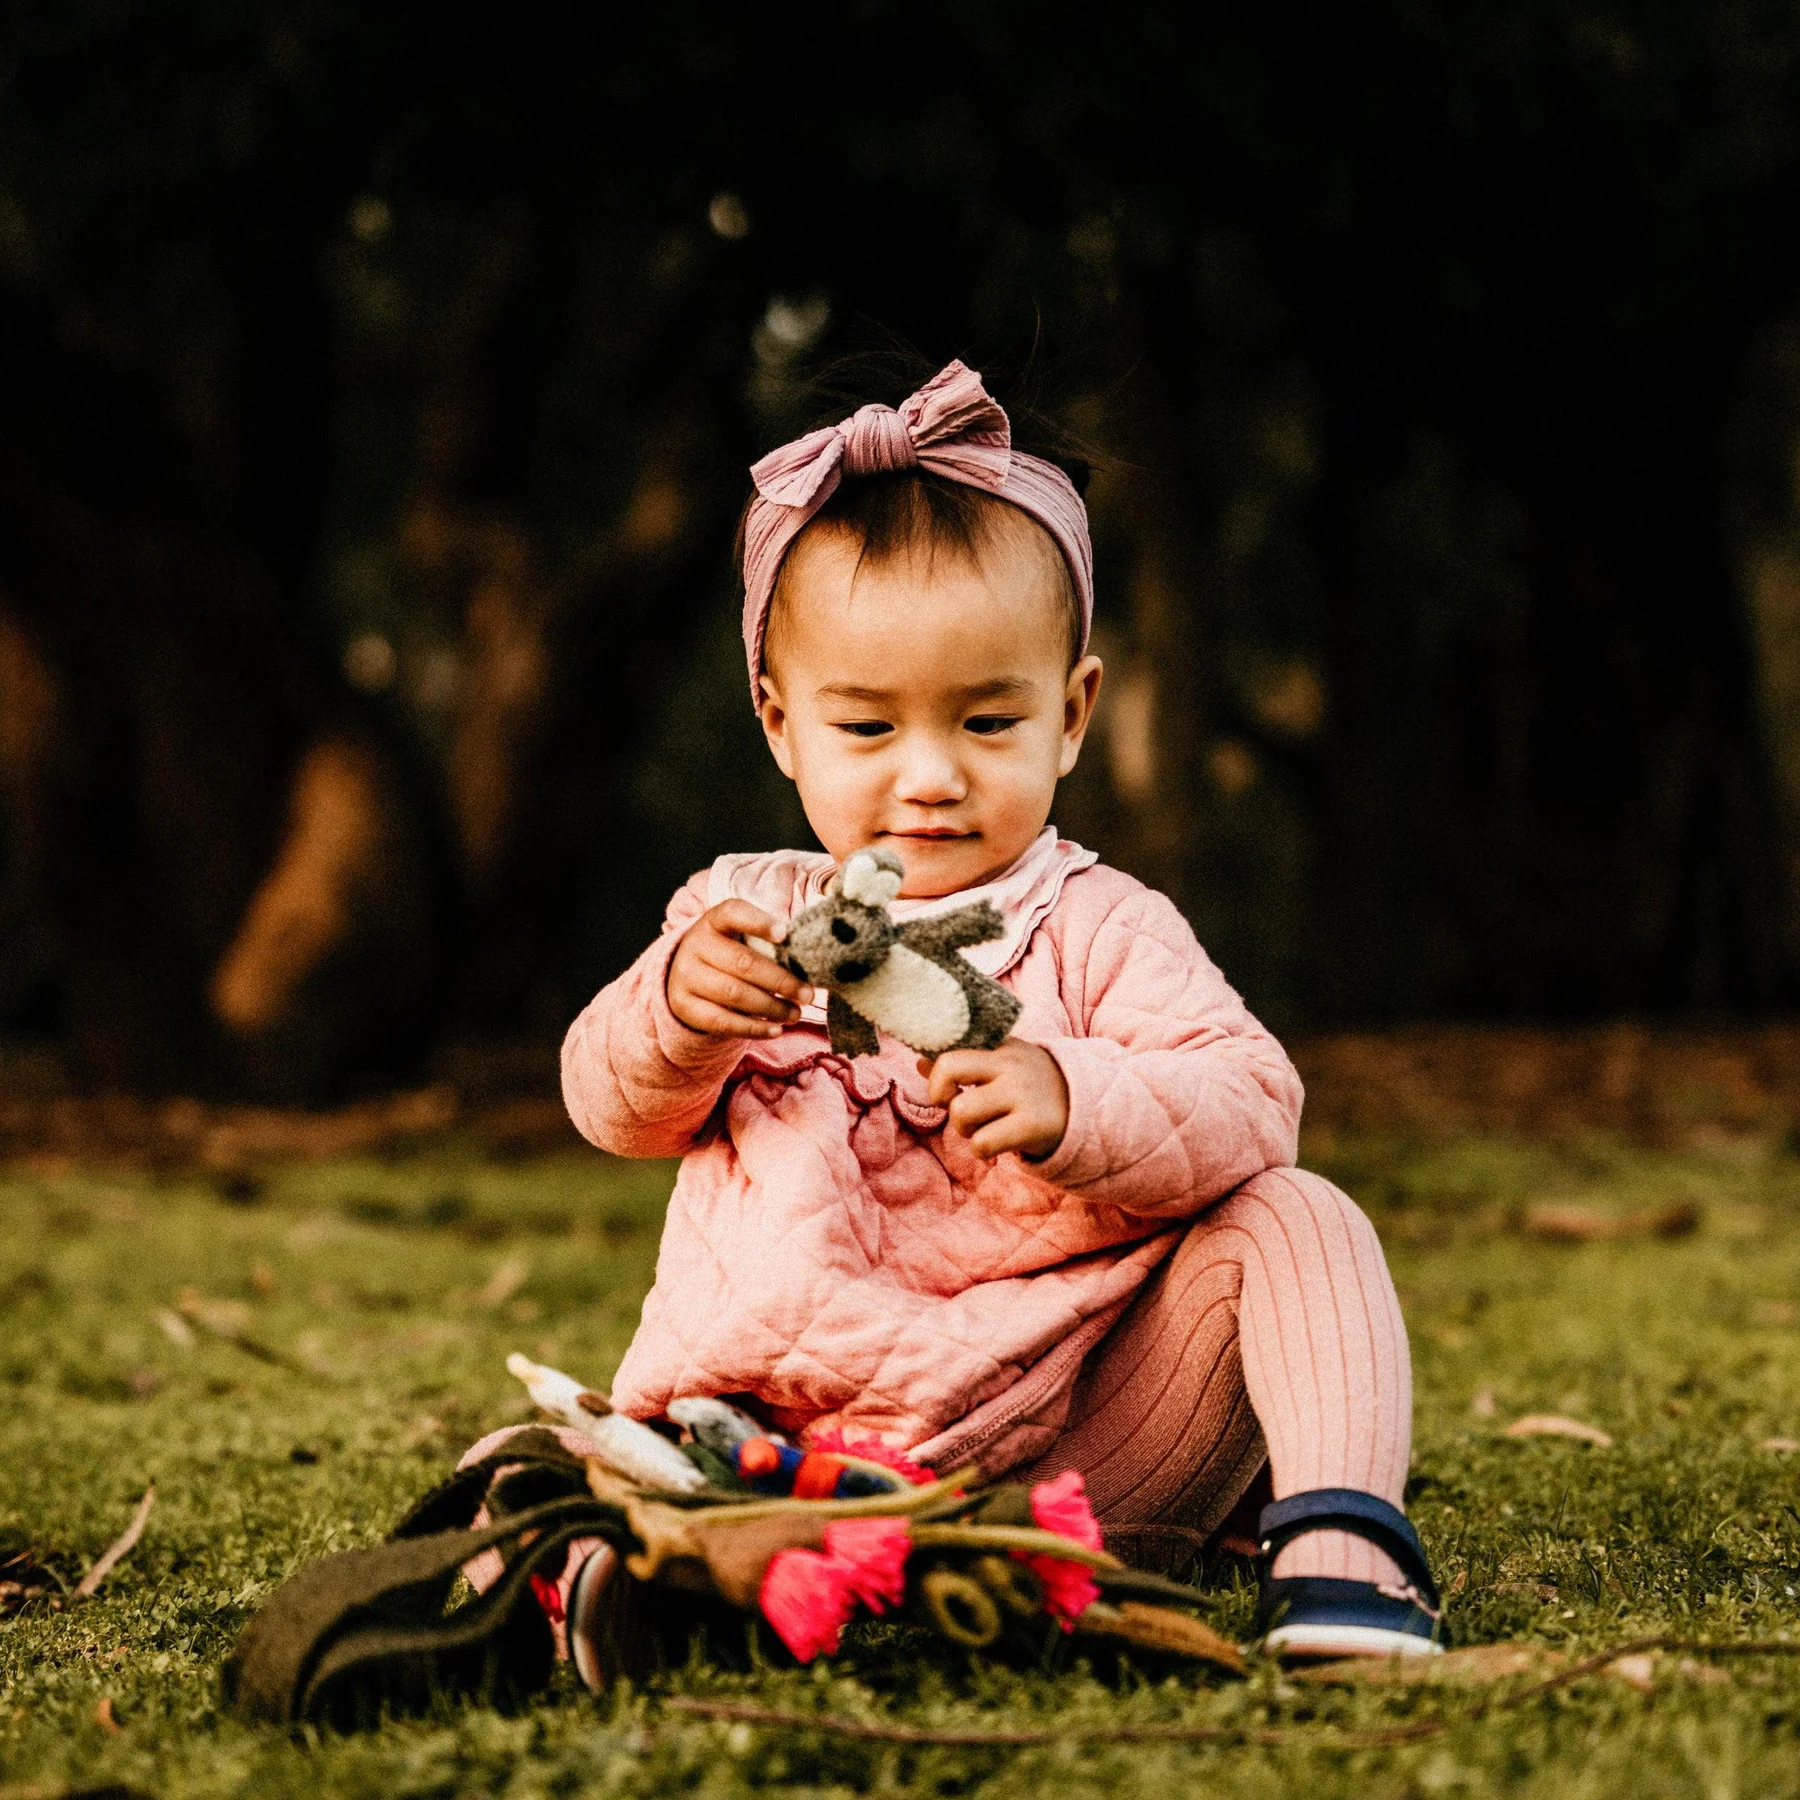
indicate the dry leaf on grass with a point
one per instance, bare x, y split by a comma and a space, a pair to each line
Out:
175, 1328
1472, 1667
1161, 1628
1576, 1222
103, 1716
1703, 1673
505, 1281
1555, 1425
1482, 1403
1783, 1445
1530, 1590
229, 1322
121, 1547
1641, 1671
223, 1318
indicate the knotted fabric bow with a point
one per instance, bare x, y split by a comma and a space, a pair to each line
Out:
951, 427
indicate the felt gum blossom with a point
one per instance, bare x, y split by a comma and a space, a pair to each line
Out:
808, 1595
1062, 1506
871, 1450
549, 1597
873, 1553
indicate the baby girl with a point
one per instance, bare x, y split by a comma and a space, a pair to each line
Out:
1088, 1249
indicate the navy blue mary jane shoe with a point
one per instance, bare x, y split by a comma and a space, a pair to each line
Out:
1316, 1616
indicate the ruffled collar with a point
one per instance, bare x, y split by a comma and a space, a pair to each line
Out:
1024, 895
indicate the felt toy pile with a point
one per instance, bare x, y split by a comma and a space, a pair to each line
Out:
714, 1506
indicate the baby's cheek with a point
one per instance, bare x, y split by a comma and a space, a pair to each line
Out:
840, 799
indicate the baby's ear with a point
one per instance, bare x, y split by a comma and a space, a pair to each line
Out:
871, 877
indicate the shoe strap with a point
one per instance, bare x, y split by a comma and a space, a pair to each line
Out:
1361, 1515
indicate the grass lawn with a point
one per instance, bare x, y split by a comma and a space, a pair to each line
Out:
395, 1288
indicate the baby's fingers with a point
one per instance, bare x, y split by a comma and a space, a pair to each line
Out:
1005, 1133
739, 919
754, 977
957, 1069
975, 1106
736, 961
701, 1014
737, 994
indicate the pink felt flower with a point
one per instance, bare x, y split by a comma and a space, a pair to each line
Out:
1062, 1506
549, 1597
872, 1553
807, 1598
871, 1450
1069, 1589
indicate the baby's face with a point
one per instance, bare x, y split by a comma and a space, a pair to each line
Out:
928, 709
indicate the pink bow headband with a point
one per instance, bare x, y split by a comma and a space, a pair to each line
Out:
953, 427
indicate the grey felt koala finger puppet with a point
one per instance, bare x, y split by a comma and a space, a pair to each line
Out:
908, 980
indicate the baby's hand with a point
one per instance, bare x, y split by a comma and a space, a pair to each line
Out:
1013, 1098
719, 985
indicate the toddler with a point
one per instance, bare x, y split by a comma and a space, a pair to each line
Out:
1087, 1249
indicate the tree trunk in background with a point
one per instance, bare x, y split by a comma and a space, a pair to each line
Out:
1762, 518
236, 876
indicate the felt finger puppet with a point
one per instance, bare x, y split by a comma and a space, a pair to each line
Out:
768, 1464
717, 1424
627, 1447
911, 980
768, 1467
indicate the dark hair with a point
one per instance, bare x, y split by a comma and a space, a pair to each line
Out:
893, 514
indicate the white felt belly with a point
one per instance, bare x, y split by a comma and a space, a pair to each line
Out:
910, 997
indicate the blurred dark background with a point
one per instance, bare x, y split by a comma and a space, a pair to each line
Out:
376, 392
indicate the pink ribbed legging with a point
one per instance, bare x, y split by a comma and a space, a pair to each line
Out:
1272, 1329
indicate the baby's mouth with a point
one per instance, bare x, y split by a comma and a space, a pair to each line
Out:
930, 833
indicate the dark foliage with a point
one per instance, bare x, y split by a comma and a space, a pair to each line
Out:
1433, 361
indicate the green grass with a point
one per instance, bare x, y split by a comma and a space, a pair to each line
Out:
370, 1274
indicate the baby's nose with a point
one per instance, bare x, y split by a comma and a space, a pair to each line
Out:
931, 775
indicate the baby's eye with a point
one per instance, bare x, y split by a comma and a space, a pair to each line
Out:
865, 728
989, 724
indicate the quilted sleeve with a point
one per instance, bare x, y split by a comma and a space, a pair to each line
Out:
1177, 1094
635, 1079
